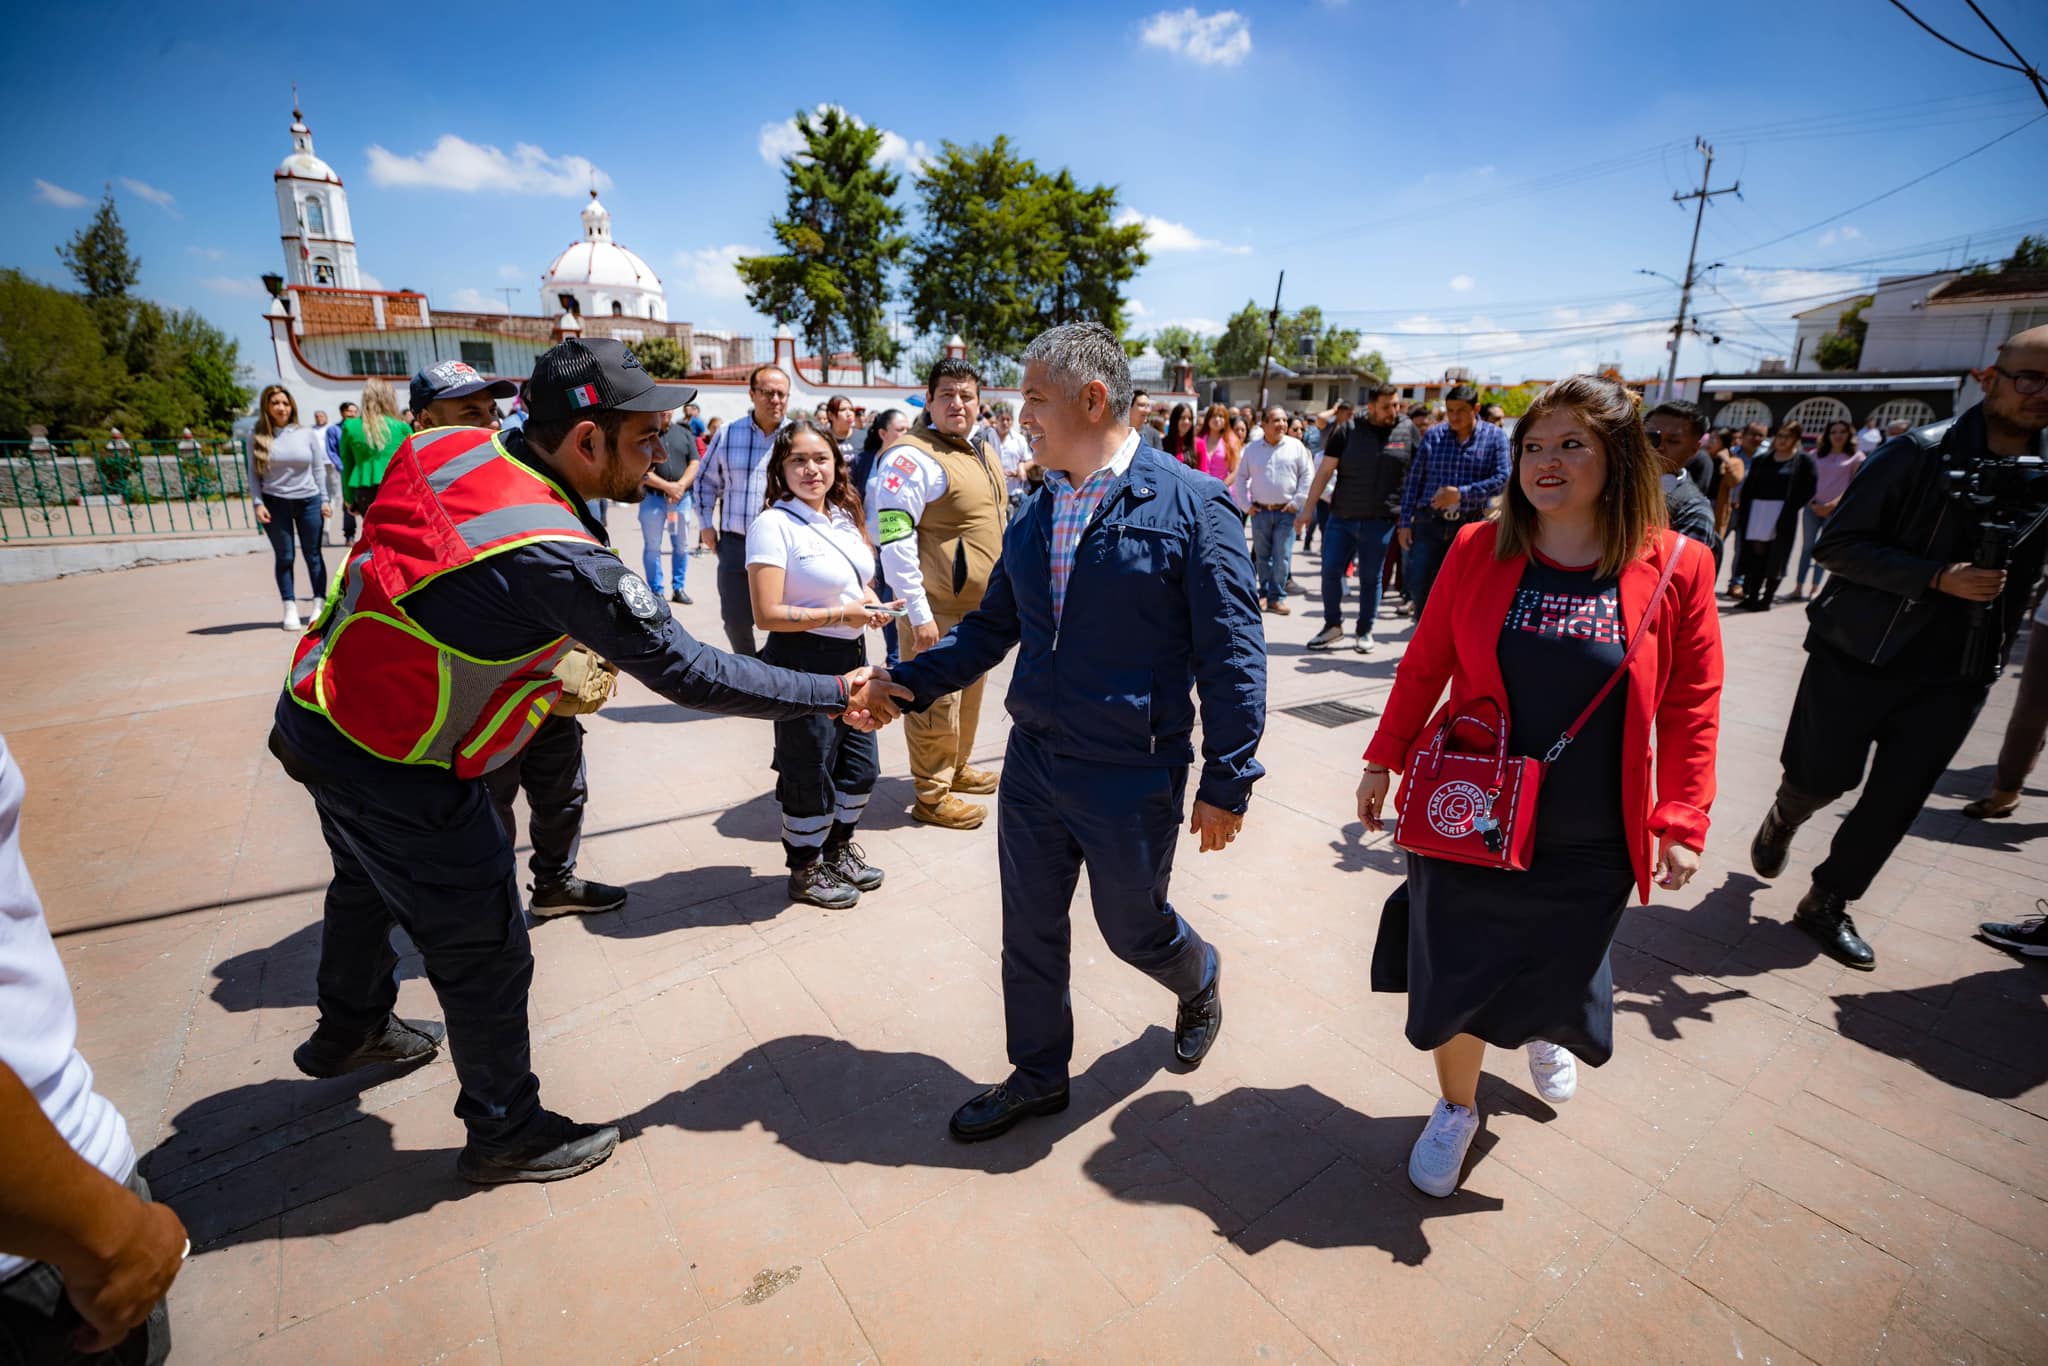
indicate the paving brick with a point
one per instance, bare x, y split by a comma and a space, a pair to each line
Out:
604, 1283
427, 1317
1784, 1267
1211, 1315
791, 1313
1628, 1309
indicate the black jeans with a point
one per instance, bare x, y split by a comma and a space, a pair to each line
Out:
735, 607
431, 857
551, 770
300, 518
36, 1321
1844, 709
824, 769
1433, 537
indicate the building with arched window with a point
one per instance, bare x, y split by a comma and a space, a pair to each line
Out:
596, 277
312, 217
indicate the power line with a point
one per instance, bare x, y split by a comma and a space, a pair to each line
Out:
1925, 175
2040, 88
1939, 36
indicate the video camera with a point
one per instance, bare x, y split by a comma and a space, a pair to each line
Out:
2006, 499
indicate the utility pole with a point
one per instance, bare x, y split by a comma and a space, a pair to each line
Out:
508, 291
1272, 327
1702, 194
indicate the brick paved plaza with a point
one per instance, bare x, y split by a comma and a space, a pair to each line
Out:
1786, 1160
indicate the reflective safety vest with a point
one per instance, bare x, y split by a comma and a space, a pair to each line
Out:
451, 497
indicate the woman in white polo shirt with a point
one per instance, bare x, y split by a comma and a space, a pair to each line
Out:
808, 574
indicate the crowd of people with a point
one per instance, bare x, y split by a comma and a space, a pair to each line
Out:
1553, 721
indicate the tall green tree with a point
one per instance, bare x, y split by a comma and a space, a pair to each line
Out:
1242, 347
1085, 259
97, 255
2029, 253
1173, 341
1008, 250
54, 368
840, 237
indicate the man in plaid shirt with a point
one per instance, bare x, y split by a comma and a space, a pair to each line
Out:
1461, 466
736, 465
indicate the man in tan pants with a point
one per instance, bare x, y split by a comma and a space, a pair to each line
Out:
939, 509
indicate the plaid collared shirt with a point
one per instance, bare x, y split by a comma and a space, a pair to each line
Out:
1478, 469
736, 465
1072, 509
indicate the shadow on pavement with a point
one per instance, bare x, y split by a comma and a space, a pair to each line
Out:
1354, 855
838, 1116
1986, 1032
233, 628
1249, 1162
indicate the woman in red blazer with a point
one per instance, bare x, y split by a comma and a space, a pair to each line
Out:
1533, 610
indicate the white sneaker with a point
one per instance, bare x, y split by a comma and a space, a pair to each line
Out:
1365, 644
291, 616
1554, 1070
1437, 1160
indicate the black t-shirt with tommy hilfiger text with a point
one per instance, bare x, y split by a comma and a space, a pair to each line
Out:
1561, 642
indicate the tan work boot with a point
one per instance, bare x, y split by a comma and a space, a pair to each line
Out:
950, 812
975, 782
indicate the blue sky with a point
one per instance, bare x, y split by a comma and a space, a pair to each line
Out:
1475, 181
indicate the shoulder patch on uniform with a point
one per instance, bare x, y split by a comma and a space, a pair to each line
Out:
905, 461
895, 525
639, 598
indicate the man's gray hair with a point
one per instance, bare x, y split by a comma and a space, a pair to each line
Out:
1075, 354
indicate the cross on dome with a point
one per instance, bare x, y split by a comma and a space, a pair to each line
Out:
597, 221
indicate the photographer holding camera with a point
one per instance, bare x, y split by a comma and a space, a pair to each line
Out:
1932, 559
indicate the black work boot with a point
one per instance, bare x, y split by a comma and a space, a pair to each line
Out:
396, 1041
848, 860
572, 895
818, 883
557, 1148
1771, 850
1825, 916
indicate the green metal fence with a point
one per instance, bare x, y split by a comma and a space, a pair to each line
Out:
54, 490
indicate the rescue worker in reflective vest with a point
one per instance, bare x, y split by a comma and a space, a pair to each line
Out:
429, 667
550, 768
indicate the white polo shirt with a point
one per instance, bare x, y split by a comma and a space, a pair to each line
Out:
824, 560
38, 1024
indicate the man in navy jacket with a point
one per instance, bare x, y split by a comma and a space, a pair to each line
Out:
1126, 582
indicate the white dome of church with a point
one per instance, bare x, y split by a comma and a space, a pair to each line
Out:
301, 164
597, 277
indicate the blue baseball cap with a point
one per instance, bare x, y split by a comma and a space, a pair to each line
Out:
455, 379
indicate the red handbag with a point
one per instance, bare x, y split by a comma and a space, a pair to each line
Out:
1463, 797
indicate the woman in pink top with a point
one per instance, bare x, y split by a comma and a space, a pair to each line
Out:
1837, 460
1216, 448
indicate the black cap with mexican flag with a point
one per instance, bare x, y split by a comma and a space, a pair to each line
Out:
582, 377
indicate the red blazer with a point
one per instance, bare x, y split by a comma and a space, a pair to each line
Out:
1674, 679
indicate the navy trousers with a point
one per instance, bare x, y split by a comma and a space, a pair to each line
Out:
551, 770
431, 858
1433, 537
1057, 816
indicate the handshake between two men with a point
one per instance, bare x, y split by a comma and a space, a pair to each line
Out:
872, 698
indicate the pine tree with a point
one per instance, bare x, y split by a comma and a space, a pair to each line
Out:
840, 236
97, 255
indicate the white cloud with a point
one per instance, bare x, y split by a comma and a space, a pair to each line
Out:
234, 286
471, 300
1848, 232
1201, 327
163, 199
1776, 286
779, 140
711, 270
208, 253
454, 163
1136, 308
1461, 283
367, 280
46, 193
1163, 235
1220, 39
512, 272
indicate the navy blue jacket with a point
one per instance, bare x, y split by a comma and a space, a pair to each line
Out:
1159, 606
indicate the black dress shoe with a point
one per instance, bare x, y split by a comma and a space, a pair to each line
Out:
998, 1110
1823, 915
1201, 1018
558, 1149
398, 1041
1771, 850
